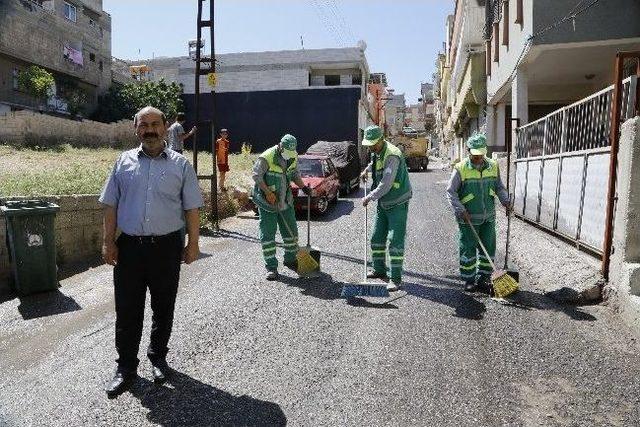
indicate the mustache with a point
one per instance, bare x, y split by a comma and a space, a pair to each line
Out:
150, 135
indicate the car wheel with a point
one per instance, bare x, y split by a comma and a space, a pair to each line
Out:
322, 205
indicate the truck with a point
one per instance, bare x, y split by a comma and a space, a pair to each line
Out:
415, 149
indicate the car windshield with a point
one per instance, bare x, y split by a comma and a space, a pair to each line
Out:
310, 167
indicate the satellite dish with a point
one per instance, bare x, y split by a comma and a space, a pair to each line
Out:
362, 45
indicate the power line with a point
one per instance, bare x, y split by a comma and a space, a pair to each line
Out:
326, 19
340, 21
572, 15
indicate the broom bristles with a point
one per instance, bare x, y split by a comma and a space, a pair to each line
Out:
306, 263
504, 285
364, 290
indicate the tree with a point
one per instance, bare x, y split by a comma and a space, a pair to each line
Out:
76, 101
123, 101
37, 82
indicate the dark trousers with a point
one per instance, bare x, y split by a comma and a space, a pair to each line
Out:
143, 263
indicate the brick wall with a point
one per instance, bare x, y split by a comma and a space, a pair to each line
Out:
28, 128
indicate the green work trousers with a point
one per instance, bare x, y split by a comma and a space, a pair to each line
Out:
269, 224
473, 262
390, 227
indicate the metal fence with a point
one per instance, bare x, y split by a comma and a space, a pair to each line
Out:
562, 167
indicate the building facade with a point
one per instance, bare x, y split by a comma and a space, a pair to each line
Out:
315, 94
461, 93
546, 54
69, 38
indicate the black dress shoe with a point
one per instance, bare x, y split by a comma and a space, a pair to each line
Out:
120, 383
470, 286
160, 373
376, 275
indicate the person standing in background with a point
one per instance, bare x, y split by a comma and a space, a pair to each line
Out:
176, 134
222, 155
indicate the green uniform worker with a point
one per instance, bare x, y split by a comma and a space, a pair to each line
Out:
474, 184
392, 189
272, 172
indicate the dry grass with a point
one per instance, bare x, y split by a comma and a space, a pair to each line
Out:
67, 170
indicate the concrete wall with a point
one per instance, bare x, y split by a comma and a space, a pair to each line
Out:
261, 118
26, 128
265, 71
249, 81
624, 284
611, 19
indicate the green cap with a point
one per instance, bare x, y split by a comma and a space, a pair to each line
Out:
289, 142
372, 135
477, 145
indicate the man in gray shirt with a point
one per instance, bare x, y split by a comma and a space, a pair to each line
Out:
149, 195
176, 135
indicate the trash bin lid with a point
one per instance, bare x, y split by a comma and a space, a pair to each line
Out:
28, 207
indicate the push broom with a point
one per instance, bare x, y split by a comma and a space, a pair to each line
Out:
306, 262
503, 284
364, 288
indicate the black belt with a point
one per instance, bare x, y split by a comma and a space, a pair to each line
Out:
150, 240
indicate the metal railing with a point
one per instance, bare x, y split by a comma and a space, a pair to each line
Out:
562, 167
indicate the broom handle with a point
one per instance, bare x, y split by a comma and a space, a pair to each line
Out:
506, 249
484, 250
309, 219
286, 225
366, 234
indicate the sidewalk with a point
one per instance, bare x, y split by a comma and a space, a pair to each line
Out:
548, 264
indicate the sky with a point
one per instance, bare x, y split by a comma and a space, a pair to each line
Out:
403, 36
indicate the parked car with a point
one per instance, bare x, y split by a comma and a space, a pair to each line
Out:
346, 160
409, 132
319, 173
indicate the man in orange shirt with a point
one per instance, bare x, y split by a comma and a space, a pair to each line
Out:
222, 155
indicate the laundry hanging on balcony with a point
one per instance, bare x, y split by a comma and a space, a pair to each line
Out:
73, 55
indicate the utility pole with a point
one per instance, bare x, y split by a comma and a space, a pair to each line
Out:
210, 71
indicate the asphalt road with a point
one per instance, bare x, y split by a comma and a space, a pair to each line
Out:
251, 352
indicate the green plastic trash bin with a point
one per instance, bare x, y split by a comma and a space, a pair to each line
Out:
32, 245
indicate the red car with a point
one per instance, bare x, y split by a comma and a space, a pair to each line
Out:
318, 173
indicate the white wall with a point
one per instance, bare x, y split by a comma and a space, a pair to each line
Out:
501, 71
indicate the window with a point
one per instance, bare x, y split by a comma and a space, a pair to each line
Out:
505, 24
332, 80
496, 42
356, 79
92, 57
70, 12
100, 65
519, 17
488, 58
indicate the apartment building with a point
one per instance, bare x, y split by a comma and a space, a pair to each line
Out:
545, 54
69, 38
